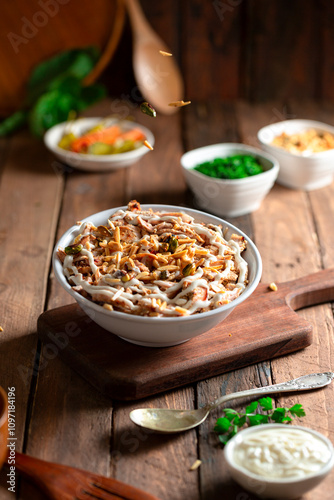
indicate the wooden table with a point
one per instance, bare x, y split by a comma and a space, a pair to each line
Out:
59, 416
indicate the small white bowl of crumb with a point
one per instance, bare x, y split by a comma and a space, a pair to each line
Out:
303, 165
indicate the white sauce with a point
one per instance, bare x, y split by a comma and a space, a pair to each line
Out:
281, 453
195, 281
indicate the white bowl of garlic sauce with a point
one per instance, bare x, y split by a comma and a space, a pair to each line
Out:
278, 460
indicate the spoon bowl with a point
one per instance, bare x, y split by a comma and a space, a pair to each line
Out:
158, 77
170, 421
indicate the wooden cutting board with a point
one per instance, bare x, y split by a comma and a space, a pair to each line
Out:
263, 327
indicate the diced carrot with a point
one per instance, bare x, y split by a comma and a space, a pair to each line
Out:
133, 135
107, 136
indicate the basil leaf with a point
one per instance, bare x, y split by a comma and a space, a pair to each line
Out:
91, 94
14, 122
54, 106
50, 109
49, 74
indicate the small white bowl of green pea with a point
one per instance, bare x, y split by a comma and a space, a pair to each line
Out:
229, 179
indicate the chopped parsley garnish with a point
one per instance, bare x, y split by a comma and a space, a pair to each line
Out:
231, 167
227, 426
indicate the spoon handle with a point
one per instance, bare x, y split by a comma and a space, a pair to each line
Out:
304, 383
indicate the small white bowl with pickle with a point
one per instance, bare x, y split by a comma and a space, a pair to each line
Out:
229, 197
97, 156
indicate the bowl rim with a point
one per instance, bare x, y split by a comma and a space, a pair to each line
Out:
229, 448
112, 158
271, 171
311, 123
58, 269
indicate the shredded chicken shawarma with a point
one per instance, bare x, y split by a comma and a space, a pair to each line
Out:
159, 263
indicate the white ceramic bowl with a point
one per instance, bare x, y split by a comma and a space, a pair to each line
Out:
225, 197
309, 172
280, 488
158, 331
96, 163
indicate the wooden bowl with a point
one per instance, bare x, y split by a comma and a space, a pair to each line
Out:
3, 426
36, 30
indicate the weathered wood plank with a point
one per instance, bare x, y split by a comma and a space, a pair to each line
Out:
287, 235
158, 463
282, 46
30, 196
211, 41
83, 412
219, 122
326, 58
166, 461
63, 416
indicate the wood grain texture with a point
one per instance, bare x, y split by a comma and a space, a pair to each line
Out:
271, 328
27, 225
84, 411
289, 238
68, 421
212, 44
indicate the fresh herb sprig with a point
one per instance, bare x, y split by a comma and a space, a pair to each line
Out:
54, 89
227, 426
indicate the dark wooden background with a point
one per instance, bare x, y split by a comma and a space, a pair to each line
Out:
257, 50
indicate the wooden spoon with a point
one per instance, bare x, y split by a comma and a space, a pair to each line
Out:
61, 482
158, 77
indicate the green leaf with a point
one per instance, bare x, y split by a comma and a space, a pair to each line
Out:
222, 425
297, 410
240, 421
48, 75
13, 122
223, 438
230, 413
257, 419
50, 109
91, 94
266, 403
54, 107
278, 415
252, 407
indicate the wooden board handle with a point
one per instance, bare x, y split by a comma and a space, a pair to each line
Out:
310, 290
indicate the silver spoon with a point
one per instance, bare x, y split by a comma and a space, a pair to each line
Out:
168, 420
